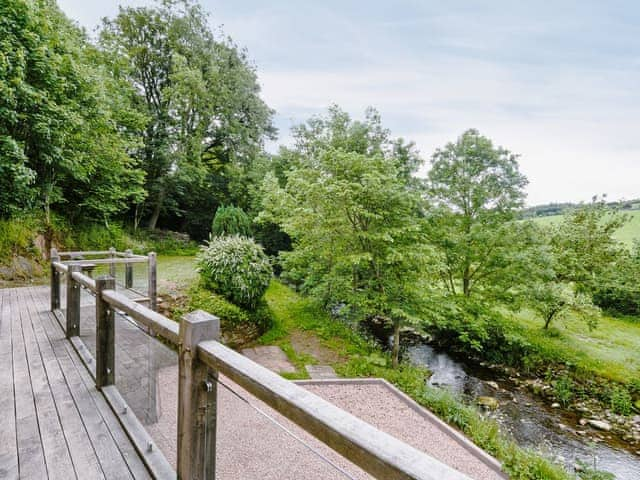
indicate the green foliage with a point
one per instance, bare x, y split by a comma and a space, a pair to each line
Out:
230, 315
563, 390
589, 472
206, 120
235, 267
621, 401
231, 221
353, 217
555, 301
584, 245
17, 235
475, 189
62, 139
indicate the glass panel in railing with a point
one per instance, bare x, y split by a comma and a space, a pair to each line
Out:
147, 379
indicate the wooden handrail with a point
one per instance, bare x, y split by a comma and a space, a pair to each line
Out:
159, 324
108, 261
376, 452
202, 357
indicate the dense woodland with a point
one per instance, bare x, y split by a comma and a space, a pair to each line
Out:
157, 123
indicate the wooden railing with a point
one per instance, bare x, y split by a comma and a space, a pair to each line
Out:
201, 358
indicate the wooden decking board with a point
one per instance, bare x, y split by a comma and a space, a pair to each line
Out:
54, 444
54, 423
8, 439
122, 441
82, 454
31, 462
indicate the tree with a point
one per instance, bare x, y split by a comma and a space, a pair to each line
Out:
554, 301
231, 221
61, 139
202, 99
475, 190
353, 219
584, 244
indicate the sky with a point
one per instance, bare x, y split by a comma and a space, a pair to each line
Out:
557, 82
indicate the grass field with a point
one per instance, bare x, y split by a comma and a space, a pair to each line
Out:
627, 234
609, 351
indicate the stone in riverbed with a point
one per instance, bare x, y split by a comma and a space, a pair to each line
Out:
600, 424
488, 402
555, 405
493, 385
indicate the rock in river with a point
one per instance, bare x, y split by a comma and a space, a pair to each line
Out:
488, 402
600, 425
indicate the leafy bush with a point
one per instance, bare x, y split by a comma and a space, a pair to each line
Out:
235, 267
96, 236
230, 315
17, 235
563, 390
618, 298
231, 221
620, 401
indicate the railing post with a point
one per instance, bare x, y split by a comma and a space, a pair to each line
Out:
73, 302
128, 271
55, 280
112, 266
105, 334
197, 390
153, 289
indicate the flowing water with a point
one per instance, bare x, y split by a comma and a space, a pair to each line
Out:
529, 420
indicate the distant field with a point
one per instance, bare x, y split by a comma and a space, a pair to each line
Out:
627, 234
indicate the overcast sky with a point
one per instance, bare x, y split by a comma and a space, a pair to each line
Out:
557, 82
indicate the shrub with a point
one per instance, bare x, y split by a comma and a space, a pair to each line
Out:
235, 267
620, 400
231, 316
563, 390
231, 221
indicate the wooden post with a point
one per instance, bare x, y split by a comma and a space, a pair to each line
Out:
73, 302
197, 389
112, 265
105, 334
55, 280
128, 271
152, 290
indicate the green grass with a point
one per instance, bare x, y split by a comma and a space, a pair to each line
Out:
626, 234
609, 351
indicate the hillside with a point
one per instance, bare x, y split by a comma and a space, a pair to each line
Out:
627, 234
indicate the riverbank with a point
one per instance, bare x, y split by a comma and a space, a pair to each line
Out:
353, 356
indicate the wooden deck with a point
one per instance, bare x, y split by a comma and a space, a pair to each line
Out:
53, 421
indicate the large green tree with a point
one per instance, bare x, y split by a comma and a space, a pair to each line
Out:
475, 190
202, 99
62, 134
353, 215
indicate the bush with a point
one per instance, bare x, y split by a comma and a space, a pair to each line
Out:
620, 401
235, 267
231, 221
231, 316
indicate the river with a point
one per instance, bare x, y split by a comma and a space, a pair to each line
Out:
527, 418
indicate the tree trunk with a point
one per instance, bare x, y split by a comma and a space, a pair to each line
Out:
156, 210
395, 353
466, 282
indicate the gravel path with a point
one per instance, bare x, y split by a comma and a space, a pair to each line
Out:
251, 447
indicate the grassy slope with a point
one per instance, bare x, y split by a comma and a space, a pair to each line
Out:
609, 351
627, 234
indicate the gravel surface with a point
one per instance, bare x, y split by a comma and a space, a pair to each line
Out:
251, 447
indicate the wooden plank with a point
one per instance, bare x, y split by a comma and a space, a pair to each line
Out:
376, 452
8, 437
31, 461
161, 325
83, 456
109, 457
54, 445
196, 404
105, 335
152, 274
73, 303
